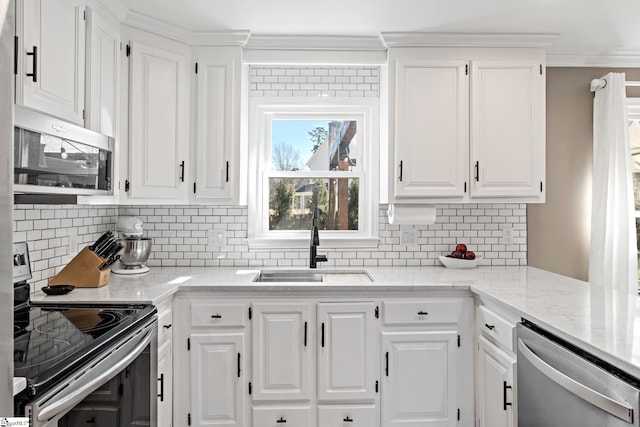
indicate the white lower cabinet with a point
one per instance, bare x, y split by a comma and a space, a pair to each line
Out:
217, 368
347, 416
318, 362
495, 378
346, 354
419, 382
496, 404
282, 417
282, 351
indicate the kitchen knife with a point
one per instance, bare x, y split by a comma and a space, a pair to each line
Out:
100, 249
108, 263
101, 240
107, 250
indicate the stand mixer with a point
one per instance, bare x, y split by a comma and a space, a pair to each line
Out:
136, 248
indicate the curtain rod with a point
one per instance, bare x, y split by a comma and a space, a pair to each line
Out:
601, 83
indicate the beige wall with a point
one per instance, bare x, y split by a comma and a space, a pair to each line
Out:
558, 231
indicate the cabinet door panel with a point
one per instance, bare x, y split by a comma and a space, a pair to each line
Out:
103, 74
57, 29
158, 142
217, 123
419, 379
350, 415
165, 384
507, 130
495, 371
431, 136
281, 360
218, 396
346, 354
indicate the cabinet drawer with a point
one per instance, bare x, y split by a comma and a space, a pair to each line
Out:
496, 328
281, 417
347, 416
420, 312
218, 315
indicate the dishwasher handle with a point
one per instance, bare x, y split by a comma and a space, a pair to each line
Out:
613, 407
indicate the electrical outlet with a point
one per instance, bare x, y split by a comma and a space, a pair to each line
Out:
408, 236
74, 241
507, 234
215, 240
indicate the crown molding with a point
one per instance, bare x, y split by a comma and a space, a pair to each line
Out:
116, 7
425, 39
627, 59
315, 42
193, 38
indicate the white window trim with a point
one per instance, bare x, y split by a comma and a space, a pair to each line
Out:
262, 110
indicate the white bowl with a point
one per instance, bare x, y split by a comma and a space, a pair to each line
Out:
450, 262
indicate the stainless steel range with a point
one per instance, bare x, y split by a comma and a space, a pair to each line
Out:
91, 364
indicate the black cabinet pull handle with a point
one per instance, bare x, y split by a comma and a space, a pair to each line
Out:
422, 313
400, 177
91, 420
305, 334
182, 171
238, 365
161, 394
322, 335
281, 420
34, 74
227, 180
490, 327
386, 363
504, 395
348, 420
216, 316
167, 326
477, 171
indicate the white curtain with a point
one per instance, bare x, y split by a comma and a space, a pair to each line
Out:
613, 260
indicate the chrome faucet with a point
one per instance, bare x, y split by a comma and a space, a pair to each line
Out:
314, 258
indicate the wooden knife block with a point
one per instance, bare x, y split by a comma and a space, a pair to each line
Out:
82, 271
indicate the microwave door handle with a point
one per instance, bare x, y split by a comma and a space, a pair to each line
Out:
75, 393
613, 407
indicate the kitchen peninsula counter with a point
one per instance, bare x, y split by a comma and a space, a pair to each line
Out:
603, 322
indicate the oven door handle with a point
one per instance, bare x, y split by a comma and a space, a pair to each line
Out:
599, 400
89, 381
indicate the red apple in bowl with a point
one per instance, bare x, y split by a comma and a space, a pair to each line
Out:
461, 247
457, 254
469, 255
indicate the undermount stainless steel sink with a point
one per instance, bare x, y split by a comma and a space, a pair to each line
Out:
304, 276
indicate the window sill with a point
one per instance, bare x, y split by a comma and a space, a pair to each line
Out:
303, 243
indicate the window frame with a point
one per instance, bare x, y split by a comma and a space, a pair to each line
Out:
262, 111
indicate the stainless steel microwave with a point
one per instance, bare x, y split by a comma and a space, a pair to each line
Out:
52, 156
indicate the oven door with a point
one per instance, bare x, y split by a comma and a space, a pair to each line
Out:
50, 408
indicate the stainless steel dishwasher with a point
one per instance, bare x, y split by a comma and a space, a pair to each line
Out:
559, 385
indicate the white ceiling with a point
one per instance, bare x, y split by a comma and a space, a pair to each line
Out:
584, 26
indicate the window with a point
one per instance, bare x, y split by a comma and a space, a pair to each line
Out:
298, 145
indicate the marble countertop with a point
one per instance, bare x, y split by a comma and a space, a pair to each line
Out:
604, 322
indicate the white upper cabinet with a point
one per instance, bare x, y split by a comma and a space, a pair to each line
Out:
217, 123
102, 74
508, 129
158, 123
51, 57
466, 125
431, 128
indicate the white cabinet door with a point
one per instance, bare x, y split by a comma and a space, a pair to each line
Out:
218, 379
158, 123
51, 60
346, 352
507, 129
431, 129
218, 123
419, 379
282, 351
165, 384
102, 74
495, 392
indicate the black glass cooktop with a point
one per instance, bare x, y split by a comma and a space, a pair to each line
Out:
55, 340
